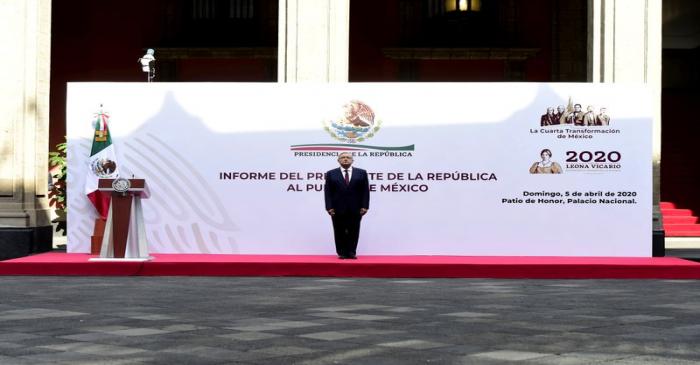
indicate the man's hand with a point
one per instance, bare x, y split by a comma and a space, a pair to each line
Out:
363, 211
331, 212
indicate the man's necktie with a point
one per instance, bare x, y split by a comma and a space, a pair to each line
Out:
347, 177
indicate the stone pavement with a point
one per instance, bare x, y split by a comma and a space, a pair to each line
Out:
181, 320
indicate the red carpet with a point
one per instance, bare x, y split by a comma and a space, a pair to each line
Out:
679, 222
366, 266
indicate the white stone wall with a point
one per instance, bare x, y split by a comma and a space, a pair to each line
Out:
625, 47
24, 112
314, 40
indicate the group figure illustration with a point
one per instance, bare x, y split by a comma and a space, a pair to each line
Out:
574, 115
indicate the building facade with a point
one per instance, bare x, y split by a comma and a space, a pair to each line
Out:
48, 44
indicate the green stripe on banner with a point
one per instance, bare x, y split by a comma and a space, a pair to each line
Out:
379, 148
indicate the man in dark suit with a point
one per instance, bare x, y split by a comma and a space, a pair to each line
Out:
347, 200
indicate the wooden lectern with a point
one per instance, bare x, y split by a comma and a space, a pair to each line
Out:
125, 232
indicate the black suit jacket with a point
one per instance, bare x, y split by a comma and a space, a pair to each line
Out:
347, 198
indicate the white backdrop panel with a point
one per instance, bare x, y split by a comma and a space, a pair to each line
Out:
181, 137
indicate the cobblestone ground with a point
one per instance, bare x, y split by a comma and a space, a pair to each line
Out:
181, 320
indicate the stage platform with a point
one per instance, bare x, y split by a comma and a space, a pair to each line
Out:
63, 264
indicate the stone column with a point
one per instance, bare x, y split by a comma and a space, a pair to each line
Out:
624, 39
314, 40
25, 56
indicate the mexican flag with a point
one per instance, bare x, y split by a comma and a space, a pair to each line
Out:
101, 165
